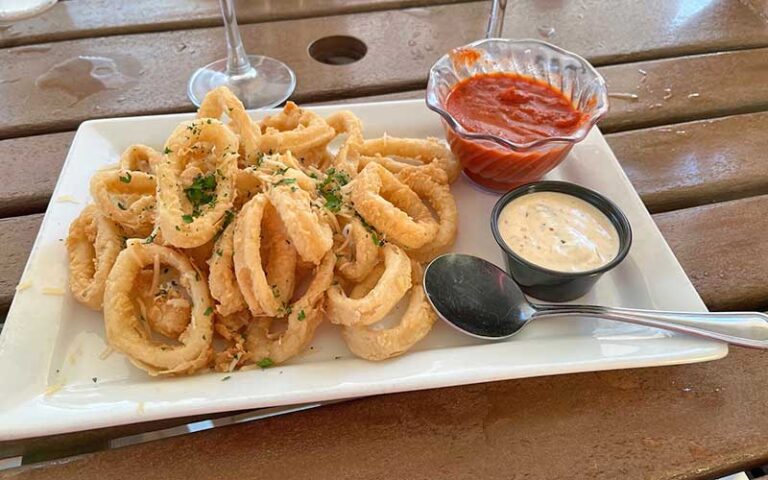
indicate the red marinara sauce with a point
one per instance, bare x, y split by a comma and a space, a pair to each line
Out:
515, 107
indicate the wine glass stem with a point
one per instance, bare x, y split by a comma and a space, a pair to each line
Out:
237, 59
496, 19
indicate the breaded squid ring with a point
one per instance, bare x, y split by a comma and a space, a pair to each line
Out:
127, 198
296, 130
379, 344
221, 279
389, 289
221, 100
260, 295
93, 244
174, 212
140, 158
124, 333
304, 317
420, 150
281, 255
165, 314
311, 237
392, 207
366, 254
439, 197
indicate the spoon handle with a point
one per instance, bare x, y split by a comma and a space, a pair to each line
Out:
748, 329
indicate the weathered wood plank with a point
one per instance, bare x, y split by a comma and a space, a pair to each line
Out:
481, 431
32, 165
393, 63
722, 249
695, 163
689, 88
17, 234
620, 30
94, 18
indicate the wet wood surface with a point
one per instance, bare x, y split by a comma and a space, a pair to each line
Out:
692, 143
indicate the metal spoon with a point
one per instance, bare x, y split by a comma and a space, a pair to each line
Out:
481, 300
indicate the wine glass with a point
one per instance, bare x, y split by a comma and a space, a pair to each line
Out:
258, 81
15, 10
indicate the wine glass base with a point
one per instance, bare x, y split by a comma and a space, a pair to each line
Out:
268, 83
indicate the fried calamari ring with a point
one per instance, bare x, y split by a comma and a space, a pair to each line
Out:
379, 344
389, 289
127, 198
439, 197
392, 207
221, 100
183, 218
165, 308
296, 130
262, 295
366, 252
221, 279
421, 151
311, 237
140, 158
304, 317
93, 244
124, 333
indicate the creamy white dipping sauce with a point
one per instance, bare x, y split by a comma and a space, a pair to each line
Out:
558, 231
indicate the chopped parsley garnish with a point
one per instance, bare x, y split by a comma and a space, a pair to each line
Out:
330, 189
126, 178
201, 192
187, 218
374, 234
226, 378
301, 316
265, 362
229, 215
286, 181
259, 159
120, 206
167, 151
208, 311
151, 238
275, 291
94, 379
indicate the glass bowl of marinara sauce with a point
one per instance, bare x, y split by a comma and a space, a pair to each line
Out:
513, 109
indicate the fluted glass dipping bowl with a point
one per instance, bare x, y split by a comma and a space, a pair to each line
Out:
498, 163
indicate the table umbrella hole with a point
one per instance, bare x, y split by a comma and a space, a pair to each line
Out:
337, 50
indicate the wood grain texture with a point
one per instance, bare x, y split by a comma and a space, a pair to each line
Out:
17, 234
619, 30
595, 426
393, 63
689, 88
696, 163
722, 248
35, 163
94, 18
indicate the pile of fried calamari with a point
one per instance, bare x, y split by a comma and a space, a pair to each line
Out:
255, 232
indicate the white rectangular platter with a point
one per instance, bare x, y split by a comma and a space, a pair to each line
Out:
54, 378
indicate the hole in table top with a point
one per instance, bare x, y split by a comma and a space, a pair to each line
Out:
337, 50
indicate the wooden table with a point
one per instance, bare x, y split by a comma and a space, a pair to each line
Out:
694, 145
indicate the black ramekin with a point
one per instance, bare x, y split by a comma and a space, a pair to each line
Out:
551, 285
